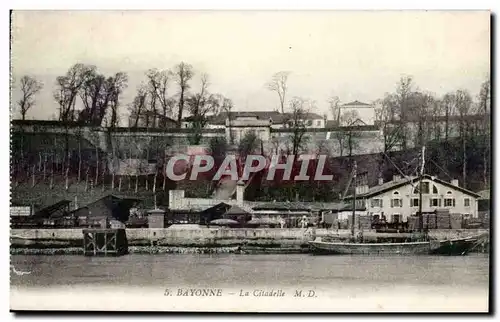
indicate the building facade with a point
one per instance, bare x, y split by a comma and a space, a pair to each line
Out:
356, 114
398, 199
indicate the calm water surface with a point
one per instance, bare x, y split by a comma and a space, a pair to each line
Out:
234, 271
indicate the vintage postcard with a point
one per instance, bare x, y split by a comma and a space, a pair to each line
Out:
250, 161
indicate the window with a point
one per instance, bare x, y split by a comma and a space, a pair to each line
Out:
396, 193
434, 189
396, 203
376, 203
449, 192
396, 218
435, 202
360, 203
449, 202
466, 202
425, 188
318, 123
414, 202
309, 122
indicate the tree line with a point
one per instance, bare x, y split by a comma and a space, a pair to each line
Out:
163, 95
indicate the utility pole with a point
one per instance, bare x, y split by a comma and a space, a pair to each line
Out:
420, 217
354, 199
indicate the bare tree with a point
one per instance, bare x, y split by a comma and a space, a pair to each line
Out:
158, 82
403, 97
297, 125
200, 105
79, 135
92, 92
435, 115
339, 136
485, 97
68, 87
227, 106
484, 109
422, 104
334, 105
463, 103
29, 86
278, 84
183, 74
448, 107
100, 97
116, 86
351, 136
385, 117
138, 107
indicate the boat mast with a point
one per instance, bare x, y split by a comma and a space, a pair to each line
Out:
354, 199
420, 217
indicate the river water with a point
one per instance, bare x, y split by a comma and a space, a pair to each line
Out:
334, 283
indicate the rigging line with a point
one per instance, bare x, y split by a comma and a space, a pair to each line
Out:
445, 172
348, 185
401, 172
395, 166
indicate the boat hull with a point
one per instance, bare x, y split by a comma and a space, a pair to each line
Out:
339, 248
454, 247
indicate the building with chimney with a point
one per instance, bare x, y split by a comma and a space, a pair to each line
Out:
397, 199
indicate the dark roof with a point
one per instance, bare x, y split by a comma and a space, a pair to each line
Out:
109, 206
376, 190
310, 116
48, 211
349, 208
221, 207
357, 103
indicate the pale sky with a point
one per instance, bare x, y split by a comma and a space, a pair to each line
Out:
353, 55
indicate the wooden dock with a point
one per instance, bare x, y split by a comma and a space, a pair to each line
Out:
105, 242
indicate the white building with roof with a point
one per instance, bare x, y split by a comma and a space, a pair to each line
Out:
356, 113
399, 198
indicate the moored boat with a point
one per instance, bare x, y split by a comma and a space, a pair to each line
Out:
459, 246
414, 243
345, 248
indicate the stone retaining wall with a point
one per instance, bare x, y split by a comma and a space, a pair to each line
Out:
205, 236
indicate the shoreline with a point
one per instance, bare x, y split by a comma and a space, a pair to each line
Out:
193, 240
158, 250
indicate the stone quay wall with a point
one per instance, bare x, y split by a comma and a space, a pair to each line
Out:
203, 237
